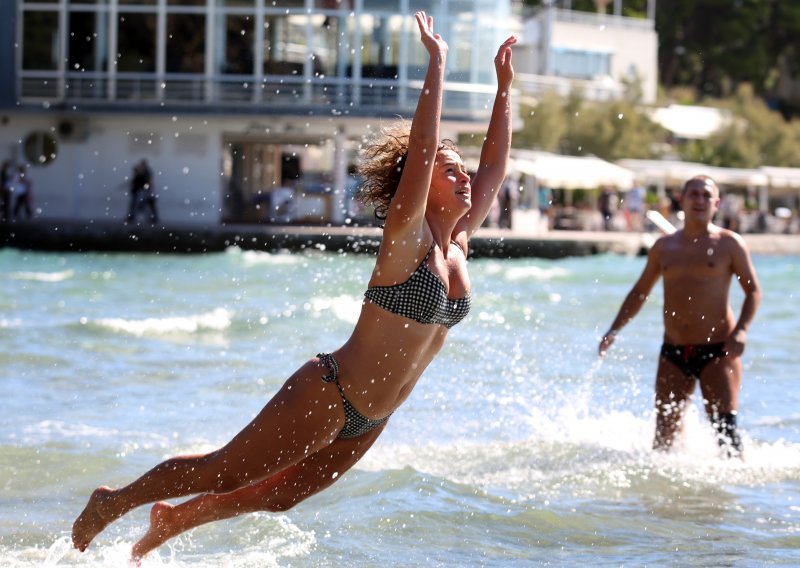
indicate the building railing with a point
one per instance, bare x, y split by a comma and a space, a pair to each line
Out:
196, 91
600, 89
594, 19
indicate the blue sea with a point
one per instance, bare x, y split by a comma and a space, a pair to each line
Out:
517, 448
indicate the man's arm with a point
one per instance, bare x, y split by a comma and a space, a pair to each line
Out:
742, 267
635, 299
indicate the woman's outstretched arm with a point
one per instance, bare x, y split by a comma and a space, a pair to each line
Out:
494, 154
407, 212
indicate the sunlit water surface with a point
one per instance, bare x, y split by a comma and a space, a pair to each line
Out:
517, 448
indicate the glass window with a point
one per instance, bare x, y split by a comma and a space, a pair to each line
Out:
462, 41
380, 41
331, 39
334, 5
417, 5
140, 2
87, 42
186, 43
381, 6
284, 44
186, 2
417, 55
580, 64
236, 3
485, 39
40, 41
284, 3
238, 53
136, 43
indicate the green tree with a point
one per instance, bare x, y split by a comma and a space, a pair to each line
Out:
545, 124
755, 136
573, 125
613, 130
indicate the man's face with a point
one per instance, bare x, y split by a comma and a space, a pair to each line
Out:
700, 200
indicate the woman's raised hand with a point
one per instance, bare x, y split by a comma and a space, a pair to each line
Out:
433, 42
502, 63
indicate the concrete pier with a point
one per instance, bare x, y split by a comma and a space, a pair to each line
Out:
115, 236
83, 236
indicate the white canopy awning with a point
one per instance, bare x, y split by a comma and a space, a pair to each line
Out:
782, 178
571, 172
675, 173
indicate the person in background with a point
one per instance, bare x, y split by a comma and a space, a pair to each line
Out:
21, 190
142, 192
333, 408
606, 204
507, 202
634, 208
703, 341
546, 205
730, 211
6, 174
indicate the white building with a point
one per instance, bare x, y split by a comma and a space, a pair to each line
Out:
232, 102
563, 50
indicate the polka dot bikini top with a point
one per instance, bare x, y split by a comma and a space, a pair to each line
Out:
421, 298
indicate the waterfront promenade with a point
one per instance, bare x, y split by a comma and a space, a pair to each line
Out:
116, 236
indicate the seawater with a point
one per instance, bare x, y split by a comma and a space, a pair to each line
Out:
517, 448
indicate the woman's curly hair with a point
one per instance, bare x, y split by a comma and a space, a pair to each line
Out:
381, 163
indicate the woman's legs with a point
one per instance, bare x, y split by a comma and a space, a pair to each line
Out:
304, 417
280, 492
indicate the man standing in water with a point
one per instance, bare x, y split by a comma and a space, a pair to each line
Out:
702, 339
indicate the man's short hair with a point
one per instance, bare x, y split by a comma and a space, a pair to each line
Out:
707, 180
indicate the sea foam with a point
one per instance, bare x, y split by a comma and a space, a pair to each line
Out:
44, 276
216, 320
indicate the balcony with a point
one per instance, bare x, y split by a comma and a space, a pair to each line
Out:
375, 94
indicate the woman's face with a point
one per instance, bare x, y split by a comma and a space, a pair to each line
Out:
450, 184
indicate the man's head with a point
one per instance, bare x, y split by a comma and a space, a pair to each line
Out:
700, 199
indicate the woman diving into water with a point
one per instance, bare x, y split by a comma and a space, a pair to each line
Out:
333, 408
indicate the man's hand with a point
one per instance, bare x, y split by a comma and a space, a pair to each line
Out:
734, 345
606, 342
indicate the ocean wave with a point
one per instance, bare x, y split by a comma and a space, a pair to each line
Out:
345, 308
537, 273
216, 320
43, 276
56, 432
516, 272
255, 257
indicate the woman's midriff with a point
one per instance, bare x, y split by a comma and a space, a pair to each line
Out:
383, 359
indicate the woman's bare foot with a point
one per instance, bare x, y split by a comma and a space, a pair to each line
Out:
163, 527
93, 519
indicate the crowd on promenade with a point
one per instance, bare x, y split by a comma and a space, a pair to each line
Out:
608, 209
